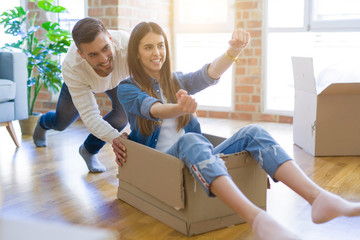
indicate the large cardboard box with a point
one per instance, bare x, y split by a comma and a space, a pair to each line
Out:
162, 187
327, 118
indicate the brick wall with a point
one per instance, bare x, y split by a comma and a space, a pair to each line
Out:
249, 92
125, 14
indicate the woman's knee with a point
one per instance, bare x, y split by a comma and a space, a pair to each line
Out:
254, 130
192, 138
194, 147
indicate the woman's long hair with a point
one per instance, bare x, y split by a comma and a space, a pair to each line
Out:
142, 80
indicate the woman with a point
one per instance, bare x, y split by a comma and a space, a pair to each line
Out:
161, 112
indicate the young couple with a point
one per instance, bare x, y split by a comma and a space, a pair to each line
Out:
161, 113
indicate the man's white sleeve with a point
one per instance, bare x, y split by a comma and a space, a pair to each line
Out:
85, 102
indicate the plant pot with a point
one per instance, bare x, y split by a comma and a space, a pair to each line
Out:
28, 125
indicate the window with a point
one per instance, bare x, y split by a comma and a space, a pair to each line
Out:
328, 31
336, 10
200, 38
76, 11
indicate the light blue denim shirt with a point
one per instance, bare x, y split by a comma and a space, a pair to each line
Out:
138, 103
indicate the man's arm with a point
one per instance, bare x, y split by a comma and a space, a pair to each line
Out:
85, 102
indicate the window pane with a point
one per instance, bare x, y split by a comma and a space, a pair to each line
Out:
336, 9
280, 86
326, 48
191, 11
285, 13
195, 50
76, 11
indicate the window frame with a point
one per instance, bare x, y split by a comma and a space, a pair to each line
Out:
330, 25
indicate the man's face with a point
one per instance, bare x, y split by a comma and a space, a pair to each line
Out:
99, 54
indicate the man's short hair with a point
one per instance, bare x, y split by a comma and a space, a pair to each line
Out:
86, 30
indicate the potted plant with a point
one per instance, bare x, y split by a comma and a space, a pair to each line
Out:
42, 51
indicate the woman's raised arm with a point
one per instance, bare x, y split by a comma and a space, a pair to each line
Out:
237, 43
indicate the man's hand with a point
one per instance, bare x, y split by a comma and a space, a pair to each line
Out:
119, 149
186, 103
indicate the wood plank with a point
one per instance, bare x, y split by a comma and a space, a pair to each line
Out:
53, 184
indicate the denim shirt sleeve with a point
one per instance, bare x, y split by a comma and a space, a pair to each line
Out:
135, 101
194, 82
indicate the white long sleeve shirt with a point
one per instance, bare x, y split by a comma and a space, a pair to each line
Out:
83, 82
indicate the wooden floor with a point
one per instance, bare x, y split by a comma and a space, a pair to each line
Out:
53, 184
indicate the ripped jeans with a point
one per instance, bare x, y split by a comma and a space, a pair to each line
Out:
204, 162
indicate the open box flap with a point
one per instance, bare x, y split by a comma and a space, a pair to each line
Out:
139, 169
303, 69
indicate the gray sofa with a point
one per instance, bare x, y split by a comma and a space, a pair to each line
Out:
13, 89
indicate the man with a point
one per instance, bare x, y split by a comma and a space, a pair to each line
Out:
95, 62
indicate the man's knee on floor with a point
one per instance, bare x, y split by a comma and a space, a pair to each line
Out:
60, 127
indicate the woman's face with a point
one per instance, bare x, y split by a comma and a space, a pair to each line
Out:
152, 54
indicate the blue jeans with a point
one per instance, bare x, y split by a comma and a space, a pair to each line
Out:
204, 162
66, 114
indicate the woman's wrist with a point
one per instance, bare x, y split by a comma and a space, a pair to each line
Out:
233, 53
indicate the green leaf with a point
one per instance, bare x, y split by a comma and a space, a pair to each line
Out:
12, 20
57, 35
47, 6
50, 25
44, 68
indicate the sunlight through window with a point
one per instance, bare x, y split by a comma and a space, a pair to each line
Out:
310, 34
200, 37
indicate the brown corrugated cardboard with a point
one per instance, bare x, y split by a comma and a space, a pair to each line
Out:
162, 187
326, 122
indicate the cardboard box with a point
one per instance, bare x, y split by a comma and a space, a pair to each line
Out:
327, 119
162, 187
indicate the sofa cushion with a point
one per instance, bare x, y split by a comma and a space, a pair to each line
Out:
7, 111
7, 90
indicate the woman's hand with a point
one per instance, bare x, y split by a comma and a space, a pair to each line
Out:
186, 103
119, 149
239, 40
